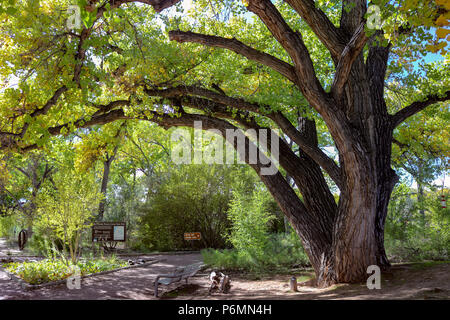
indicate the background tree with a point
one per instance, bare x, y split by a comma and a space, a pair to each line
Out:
25, 176
68, 210
100, 145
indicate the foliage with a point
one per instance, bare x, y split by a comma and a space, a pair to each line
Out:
6, 225
66, 209
413, 234
47, 270
281, 253
250, 222
255, 248
142, 159
38, 56
190, 198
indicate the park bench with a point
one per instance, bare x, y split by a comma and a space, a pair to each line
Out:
180, 274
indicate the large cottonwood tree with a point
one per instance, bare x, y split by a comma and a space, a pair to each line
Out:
341, 239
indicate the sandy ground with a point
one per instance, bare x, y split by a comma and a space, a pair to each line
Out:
404, 281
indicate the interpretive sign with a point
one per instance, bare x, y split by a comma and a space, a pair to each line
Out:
109, 231
192, 236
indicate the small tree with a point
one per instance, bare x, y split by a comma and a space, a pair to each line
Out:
250, 217
67, 210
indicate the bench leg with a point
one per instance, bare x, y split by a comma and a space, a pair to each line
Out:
156, 289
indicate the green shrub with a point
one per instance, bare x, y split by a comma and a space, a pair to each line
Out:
250, 223
281, 252
188, 198
66, 211
56, 269
6, 225
40, 245
415, 236
255, 248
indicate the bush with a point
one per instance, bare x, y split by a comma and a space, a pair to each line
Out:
6, 226
417, 249
256, 248
190, 198
413, 236
56, 269
281, 252
250, 223
66, 211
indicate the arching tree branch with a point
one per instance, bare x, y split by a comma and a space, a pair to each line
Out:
293, 43
311, 150
418, 106
158, 5
236, 46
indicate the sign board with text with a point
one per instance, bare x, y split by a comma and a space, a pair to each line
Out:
109, 231
192, 236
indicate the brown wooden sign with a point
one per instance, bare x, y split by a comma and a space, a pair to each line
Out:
109, 231
192, 236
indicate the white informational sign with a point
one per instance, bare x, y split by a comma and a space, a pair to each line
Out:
119, 233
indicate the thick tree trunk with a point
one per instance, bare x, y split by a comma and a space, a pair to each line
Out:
340, 241
354, 241
358, 231
386, 183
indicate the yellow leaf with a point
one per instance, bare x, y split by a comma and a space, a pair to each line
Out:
431, 48
442, 33
442, 45
444, 3
442, 21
